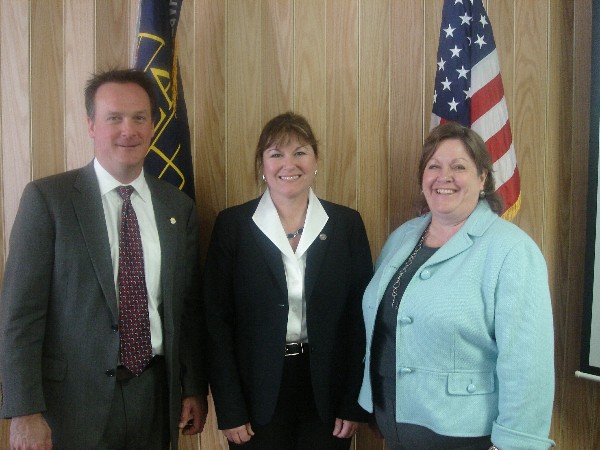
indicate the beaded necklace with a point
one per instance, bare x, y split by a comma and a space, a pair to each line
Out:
297, 233
405, 266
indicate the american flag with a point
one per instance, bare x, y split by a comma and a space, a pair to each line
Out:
468, 90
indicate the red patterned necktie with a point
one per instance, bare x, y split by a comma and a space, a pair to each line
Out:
134, 322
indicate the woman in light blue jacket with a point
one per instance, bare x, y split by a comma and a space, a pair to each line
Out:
458, 316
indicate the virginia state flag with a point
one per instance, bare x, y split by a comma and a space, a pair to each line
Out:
169, 156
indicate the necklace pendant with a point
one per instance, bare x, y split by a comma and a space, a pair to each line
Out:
297, 233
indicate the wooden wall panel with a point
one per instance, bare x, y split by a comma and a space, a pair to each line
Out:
132, 18
277, 59
78, 62
205, 34
47, 89
189, 442
502, 19
373, 151
362, 72
244, 97
407, 107
530, 106
342, 101
576, 419
310, 82
16, 114
113, 39
558, 172
208, 95
211, 437
579, 420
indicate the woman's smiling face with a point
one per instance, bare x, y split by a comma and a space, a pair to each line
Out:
451, 184
289, 168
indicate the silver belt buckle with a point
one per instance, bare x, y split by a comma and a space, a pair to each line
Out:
298, 345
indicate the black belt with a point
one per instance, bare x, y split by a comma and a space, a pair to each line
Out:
124, 374
296, 348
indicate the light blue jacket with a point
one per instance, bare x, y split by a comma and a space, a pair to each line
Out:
474, 339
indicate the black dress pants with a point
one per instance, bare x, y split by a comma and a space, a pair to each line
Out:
296, 424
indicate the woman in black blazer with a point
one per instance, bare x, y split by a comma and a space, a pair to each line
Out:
284, 279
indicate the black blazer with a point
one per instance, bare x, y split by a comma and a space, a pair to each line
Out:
246, 305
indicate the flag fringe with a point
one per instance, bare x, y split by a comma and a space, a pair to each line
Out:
511, 212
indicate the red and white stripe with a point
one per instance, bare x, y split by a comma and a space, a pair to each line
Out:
489, 118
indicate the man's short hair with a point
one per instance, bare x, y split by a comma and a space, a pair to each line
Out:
135, 76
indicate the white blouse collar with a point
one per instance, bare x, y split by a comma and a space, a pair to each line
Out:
267, 220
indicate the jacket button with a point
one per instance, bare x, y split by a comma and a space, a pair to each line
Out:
471, 388
426, 274
405, 370
110, 372
406, 320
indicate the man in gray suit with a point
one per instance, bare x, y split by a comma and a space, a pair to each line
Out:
63, 375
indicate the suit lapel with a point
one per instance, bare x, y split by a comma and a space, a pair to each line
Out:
166, 220
457, 244
479, 221
316, 255
87, 204
398, 255
270, 252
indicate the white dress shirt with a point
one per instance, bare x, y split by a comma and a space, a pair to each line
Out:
267, 220
142, 204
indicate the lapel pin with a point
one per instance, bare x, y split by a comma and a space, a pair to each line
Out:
173, 221
322, 236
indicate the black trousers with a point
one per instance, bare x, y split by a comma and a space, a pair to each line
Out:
296, 424
139, 415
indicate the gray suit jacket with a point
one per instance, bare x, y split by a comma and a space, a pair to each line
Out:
59, 309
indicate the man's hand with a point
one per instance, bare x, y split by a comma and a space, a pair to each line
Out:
193, 414
240, 434
30, 433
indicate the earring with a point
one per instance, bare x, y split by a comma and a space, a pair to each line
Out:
264, 179
482, 194
315, 172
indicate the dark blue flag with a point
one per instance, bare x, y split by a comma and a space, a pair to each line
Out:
169, 156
